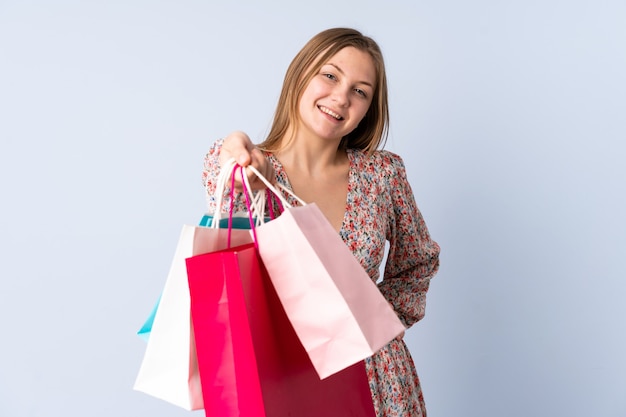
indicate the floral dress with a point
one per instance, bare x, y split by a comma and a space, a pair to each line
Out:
380, 207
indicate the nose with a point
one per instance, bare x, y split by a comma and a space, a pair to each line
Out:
341, 96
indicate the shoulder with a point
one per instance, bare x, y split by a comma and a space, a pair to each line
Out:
380, 161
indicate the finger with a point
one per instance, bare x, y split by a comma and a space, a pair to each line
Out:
243, 157
237, 151
237, 145
263, 166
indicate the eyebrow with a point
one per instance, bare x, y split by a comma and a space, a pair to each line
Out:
342, 73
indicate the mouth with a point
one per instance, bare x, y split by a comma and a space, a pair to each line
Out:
329, 112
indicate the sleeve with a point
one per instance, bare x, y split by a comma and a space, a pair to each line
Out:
210, 173
413, 257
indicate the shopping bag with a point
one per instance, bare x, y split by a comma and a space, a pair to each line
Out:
146, 328
337, 311
237, 222
169, 368
250, 360
234, 220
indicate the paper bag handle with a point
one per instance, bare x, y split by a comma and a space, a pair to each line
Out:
257, 203
275, 191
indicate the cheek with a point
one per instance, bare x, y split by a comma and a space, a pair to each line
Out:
313, 91
306, 100
363, 110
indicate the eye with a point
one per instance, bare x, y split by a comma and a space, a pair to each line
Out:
330, 76
360, 92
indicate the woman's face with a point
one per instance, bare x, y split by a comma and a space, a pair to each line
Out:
338, 96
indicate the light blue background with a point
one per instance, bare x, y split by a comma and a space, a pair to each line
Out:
509, 115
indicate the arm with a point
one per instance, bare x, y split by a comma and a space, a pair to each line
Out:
413, 257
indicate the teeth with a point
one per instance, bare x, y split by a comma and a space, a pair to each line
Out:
330, 112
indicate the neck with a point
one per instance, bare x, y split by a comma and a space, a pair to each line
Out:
311, 154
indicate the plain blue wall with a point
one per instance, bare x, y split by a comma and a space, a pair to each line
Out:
509, 115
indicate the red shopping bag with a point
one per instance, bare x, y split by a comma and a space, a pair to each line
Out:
250, 359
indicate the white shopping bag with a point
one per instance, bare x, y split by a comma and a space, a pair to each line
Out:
169, 369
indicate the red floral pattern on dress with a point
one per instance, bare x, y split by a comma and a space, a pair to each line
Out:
380, 207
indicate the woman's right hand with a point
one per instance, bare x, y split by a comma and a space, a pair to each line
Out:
238, 145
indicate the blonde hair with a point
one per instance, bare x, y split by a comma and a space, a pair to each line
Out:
371, 133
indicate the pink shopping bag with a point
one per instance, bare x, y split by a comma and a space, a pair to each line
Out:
337, 311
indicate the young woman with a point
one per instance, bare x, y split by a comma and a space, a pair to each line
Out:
331, 118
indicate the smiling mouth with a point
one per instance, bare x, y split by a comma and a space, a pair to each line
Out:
330, 113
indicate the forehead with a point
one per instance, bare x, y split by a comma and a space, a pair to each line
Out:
354, 63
